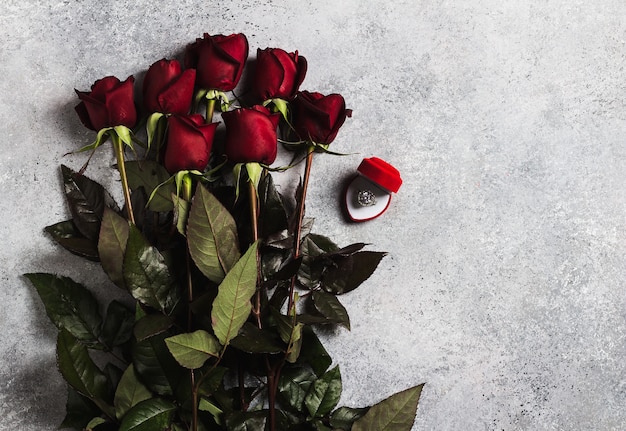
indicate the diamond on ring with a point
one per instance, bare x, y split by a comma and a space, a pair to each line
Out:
366, 198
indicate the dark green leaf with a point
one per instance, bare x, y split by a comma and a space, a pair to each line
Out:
113, 375
79, 410
347, 250
201, 308
87, 200
93, 424
155, 366
118, 325
314, 319
149, 174
311, 270
292, 421
181, 213
78, 369
396, 413
207, 406
351, 271
212, 380
279, 297
147, 276
212, 236
272, 216
294, 384
69, 305
291, 333
314, 245
232, 307
112, 245
287, 269
313, 352
247, 421
307, 226
129, 393
254, 340
324, 393
295, 344
191, 350
318, 425
271, 262
344, 417
282, 240
66, 234
150, 415
150, 325
329, 306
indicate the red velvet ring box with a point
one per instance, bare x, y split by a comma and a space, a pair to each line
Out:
369, 194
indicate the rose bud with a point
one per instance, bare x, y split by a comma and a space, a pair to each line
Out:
317, 118
251, 135
110, 103
167, 89
218, 60
189, 142
278, 74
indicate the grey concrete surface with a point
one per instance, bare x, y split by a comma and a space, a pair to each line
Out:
504, 287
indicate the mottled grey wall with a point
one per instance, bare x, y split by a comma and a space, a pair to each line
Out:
503, 289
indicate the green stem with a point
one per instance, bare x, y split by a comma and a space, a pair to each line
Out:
300, 219
210, 108
296, 253
118, 145
187, 186
194, 401
254, 217
271, 375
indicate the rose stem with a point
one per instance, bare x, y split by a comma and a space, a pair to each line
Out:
274, 374
254, 216
187, 187
210, 107
300, 218
118, 145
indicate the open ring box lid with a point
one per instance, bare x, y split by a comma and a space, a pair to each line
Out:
378, 177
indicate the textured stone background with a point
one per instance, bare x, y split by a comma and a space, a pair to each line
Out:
504, 285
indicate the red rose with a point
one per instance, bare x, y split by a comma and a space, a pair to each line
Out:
189, 142
110, 103
218, 60
278, 74
167, 89
251, 135
317, 118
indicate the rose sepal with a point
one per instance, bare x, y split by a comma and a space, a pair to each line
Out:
279, 105
181, 177
101, 137
125, 134
152, 126
213, 95
121, 133
254, 171
311, 146
323, 148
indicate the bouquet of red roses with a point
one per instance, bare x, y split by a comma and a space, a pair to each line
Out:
222, 280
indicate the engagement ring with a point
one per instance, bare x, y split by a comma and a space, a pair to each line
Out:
366, 198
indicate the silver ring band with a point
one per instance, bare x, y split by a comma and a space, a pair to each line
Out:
366, 198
